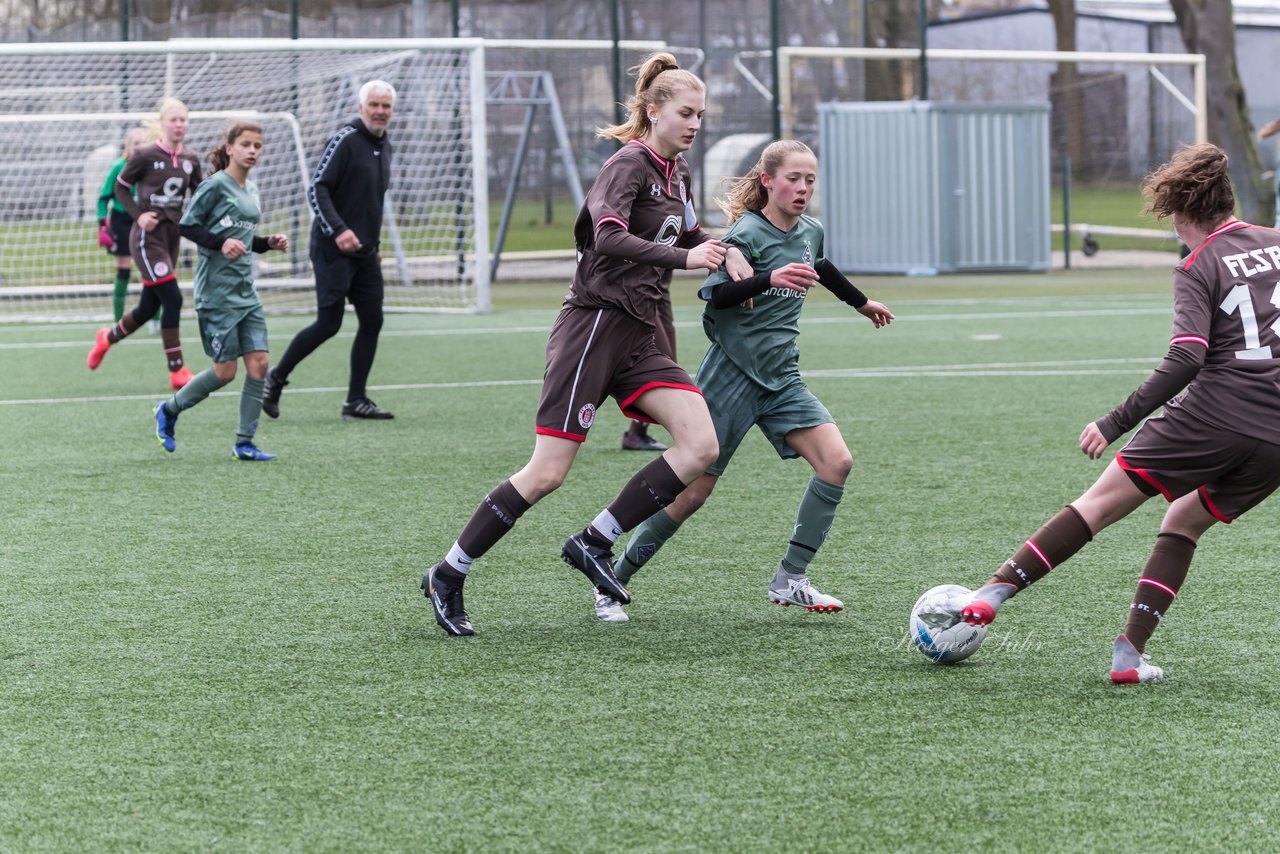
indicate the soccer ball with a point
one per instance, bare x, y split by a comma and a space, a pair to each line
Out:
950, 644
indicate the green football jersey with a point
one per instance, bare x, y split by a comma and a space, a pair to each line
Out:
761, 340
223, 207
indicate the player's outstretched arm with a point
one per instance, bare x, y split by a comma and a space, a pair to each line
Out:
706, 256
877, 312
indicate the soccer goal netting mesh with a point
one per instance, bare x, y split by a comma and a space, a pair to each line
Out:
65, 110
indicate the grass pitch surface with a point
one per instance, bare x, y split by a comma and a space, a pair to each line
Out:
202, 654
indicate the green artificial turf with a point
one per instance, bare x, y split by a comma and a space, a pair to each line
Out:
205, 655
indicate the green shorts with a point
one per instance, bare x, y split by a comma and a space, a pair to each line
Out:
737, 403
228, 335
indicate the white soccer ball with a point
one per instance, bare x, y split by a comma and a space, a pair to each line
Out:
941, 643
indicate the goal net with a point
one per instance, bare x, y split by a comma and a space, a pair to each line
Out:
65, 110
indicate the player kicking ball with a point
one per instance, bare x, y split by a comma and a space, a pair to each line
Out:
221, 220
1214, 450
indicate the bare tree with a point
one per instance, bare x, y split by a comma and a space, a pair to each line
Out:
1207, 28
894, 23
1069, 122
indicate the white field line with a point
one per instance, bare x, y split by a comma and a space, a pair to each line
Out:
1080, 367
949, 317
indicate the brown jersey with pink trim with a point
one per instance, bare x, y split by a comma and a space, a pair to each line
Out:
636, 225
162, 179
1225, 347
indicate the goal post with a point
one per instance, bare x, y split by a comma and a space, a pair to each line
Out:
65, 108
1196, 105
1114, 116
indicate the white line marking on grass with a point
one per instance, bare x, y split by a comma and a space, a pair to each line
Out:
850, 317
981, 368
1079, 367
292, 391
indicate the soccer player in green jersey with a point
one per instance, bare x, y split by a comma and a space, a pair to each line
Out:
751, 373
221, 220
115, 223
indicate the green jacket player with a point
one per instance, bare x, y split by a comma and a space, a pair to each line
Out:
751, 373
222, 220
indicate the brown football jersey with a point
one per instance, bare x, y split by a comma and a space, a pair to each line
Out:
636, 225
162, 178
1227, 300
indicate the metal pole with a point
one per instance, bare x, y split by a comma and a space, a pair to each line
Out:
293, 19
1066, 213
616, 18
924, 50
459, 210
774, 44
124, 20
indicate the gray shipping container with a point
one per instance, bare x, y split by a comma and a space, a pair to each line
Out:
922, 188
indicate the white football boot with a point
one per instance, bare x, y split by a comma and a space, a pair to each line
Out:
608, 609
1130, 667
788, 590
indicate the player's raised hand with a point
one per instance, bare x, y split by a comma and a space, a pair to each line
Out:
1092, 442
232, 248
279, 242
707, 256
878, 312
797, 277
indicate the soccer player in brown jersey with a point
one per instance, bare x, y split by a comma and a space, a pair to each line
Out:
637, 223
161, 174
1214, 451
751, 373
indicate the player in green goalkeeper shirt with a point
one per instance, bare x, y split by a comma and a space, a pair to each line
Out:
751, 373
221, 220
115, 223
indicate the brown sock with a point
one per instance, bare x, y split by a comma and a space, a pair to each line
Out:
496, 515
1058, 539
172, 347
1161, 579
125, 327
649, 490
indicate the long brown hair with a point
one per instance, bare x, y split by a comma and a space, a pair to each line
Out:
1195, 184
748, 193
658, 79
218, 157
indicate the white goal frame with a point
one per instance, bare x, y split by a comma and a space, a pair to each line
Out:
1198, 104
468, 265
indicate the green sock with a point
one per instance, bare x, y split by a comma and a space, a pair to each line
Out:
250, 410
119, 294
645, 541
813, 521
201, 386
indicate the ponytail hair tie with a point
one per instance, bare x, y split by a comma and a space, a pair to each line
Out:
669, 66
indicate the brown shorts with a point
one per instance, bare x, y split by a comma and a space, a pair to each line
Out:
596, 353
155, 252
1174, 454
664, 329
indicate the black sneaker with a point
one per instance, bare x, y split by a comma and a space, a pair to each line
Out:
364, 408
445, 594
634, 441
271, 388
596, 563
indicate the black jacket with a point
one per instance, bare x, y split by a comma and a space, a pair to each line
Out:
348, 187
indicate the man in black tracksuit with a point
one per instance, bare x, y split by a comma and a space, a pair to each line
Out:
347, 192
